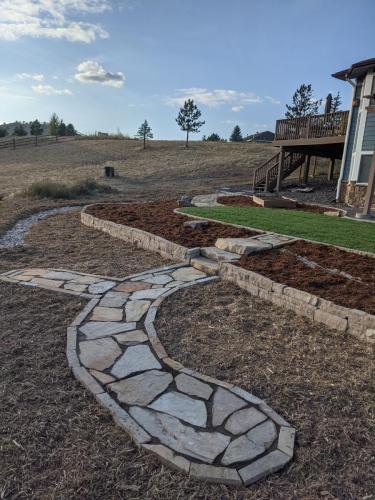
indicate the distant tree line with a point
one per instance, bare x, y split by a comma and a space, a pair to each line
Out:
56, 126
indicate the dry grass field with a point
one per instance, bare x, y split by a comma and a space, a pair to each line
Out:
165, 169
163, 166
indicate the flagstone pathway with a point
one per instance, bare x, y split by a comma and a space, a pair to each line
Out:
204, 427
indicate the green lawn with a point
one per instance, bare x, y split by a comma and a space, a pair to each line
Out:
337, 231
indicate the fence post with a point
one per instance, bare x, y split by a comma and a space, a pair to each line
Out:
36, 140
14, 143
56, 138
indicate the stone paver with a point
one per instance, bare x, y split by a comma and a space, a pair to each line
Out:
224, 404
101, 287
152, 293
242, 246
99, 354
135, 359
142, 389
97, 329
136, 336
183, 407
135, 309
205, 446
192, 386
106, 314
132, 287
114, 299
187, 274
243, 420
161, 279
172, 411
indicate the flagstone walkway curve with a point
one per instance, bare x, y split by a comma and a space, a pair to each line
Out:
205, 427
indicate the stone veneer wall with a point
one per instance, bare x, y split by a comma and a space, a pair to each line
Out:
353, 194
141, 239
352, 321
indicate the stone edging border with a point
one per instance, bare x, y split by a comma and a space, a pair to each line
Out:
140, 238
352, 321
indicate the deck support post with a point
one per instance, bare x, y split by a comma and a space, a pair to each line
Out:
370, 190
280, 169
307, 168
331, 169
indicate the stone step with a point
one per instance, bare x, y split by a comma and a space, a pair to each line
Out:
208, 266
242, 246
218, 254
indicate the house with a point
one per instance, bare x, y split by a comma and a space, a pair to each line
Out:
265, 136
354, 185
348, 136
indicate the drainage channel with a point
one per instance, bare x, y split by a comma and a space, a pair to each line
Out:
15, 235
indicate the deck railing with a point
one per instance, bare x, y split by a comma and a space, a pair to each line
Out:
312, 127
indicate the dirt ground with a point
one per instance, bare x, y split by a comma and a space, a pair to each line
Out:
321, 381
158, 218
61, 241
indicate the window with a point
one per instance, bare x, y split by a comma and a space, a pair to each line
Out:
364, 168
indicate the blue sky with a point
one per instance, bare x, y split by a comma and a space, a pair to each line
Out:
108, 64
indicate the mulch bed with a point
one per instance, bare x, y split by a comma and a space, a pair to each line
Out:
246, 201
158, 218
284, 267
320, 380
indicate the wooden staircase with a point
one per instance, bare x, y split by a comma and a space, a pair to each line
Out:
265, 176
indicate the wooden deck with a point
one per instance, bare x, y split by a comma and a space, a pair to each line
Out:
313, 130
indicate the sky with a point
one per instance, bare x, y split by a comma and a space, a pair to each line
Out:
107, 65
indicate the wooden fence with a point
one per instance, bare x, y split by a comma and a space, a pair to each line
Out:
16, 142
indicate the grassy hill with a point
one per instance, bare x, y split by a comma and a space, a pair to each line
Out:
164, 168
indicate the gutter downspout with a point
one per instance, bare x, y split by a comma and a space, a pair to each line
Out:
339, 182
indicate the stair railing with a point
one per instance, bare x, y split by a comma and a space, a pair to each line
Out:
260, 173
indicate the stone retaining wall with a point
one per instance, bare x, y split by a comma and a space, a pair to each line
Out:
141, 239
352, 321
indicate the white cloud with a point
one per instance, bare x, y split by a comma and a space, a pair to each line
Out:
38, 77
93, 72
60, 19
212, 98
273, 100
237, 109
49, 90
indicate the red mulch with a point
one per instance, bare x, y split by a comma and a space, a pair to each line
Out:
158, 218
247, 201
287, 269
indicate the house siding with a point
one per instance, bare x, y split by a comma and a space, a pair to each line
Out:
368, 143
350, 145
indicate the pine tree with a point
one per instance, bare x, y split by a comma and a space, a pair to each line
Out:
145, 133
36, 128
303, 103
336, 103
53, 125
214, 137
188, 119
61, 130
70, 130
19, 130
3, 131
236, 135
